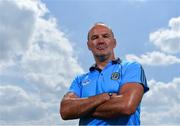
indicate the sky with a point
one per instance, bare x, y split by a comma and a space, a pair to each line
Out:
43, 47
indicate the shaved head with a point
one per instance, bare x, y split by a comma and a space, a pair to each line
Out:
99, 24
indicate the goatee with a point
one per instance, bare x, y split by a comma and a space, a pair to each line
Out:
102, 58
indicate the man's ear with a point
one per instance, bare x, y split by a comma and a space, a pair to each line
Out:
114, 43
89, 46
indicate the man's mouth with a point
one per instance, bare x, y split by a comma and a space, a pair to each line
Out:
101, 46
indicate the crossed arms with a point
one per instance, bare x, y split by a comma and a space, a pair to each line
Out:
103, 106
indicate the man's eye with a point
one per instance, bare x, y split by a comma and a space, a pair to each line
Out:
106, 36
94, 37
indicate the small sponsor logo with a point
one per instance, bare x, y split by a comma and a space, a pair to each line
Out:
85, 82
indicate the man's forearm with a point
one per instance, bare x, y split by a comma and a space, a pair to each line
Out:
112, 108
73, 108
125, 103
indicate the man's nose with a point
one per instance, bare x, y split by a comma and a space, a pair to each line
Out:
100, 39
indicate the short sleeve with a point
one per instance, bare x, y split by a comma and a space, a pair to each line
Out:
75, 87
135, 73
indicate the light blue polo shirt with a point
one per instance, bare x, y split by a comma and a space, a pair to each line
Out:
115, 74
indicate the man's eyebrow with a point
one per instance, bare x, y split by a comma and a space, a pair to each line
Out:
109, 34
95, 34
106, 34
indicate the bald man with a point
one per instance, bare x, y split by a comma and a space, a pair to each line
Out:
111, 91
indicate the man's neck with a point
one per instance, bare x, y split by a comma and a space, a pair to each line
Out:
102, 63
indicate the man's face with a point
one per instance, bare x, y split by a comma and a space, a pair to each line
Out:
101, 41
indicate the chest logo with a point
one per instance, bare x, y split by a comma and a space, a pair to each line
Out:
115, 76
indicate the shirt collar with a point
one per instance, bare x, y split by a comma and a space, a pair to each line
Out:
94, 67
116, 61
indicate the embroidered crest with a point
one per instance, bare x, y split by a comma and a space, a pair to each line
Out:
115, 76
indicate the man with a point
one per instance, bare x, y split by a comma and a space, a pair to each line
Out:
111, 92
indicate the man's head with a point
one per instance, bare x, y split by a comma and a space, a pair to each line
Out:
101, 41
